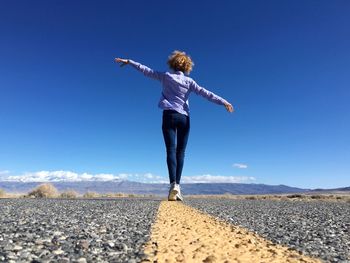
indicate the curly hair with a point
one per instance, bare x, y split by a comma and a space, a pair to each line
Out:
180, 61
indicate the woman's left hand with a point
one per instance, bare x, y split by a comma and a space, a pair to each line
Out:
229, 107
122, 61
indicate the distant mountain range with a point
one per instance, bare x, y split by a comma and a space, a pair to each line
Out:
342, 189
124, 186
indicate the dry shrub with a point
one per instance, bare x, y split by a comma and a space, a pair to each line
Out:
91, 195
295, 196
114, 195
317, 197
44, 191
251, 198
108, 195
71, 194
119, 195
2, 193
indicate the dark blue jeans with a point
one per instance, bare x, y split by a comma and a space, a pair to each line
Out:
176, 128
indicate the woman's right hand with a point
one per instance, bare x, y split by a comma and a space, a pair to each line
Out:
229, 107
122, 61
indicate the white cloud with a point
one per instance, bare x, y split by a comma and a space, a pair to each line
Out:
240, 165
123, 176
154, 179
105, 177
149, 176
57, 176
157, 181
4, 174
208, 178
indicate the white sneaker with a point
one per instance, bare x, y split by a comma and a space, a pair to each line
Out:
173, 191
179, 196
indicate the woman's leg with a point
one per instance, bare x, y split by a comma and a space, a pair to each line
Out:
183, 130
169, 134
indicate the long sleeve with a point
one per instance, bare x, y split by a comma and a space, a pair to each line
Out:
206, 94
148, 72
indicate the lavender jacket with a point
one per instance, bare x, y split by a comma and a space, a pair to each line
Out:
176, 89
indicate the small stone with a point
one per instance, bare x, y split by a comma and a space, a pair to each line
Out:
96, 251
81, 260
11, 255
111, 244
24, 254
125, 247
7, 248
54, 240
58, 252
44, 252
39, 242
110, 236
83, 244
94, 235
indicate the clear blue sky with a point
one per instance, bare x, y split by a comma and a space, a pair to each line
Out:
284, 65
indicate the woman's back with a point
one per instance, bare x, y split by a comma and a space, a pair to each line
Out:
176, 90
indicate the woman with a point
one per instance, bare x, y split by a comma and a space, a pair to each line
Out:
174, 102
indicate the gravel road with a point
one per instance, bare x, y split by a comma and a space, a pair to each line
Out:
114, 230
56, 230
320, 229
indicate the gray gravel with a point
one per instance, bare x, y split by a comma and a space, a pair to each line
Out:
320, 229
56, 230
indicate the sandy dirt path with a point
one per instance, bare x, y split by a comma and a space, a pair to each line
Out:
184, 234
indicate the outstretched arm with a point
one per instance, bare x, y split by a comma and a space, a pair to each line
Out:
148, 72
210, 96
